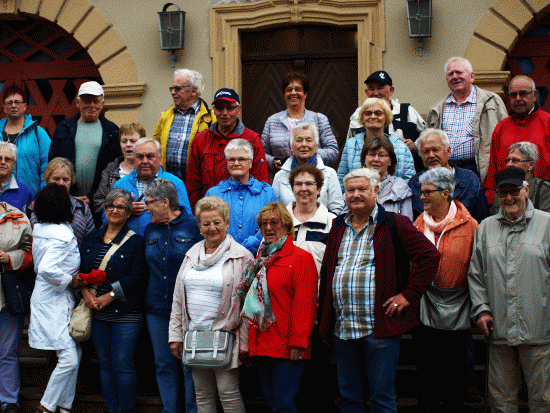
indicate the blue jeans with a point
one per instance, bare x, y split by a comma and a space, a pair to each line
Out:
367, 360
280, 379
115, 344
11, 331
168, 368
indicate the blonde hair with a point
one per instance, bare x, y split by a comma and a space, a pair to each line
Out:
279, 209
369, 103
57, 163
212, 203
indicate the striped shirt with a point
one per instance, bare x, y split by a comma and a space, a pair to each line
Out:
178, 140
353, 283
458, 122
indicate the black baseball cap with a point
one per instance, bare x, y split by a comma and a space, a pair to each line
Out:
379, 76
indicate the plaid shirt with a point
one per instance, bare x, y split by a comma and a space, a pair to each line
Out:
458, 122
140, 185
353, 283
178, 140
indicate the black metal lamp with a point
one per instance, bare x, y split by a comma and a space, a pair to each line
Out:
419, 16
171, 27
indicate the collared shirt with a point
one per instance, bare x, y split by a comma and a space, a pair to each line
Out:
7, 185
353, 283
178, 140
140, 185
458, 122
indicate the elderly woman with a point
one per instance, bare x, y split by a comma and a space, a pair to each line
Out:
206, 299
442, 336
12, 191
56, 263
281, 302
129, 134
15, 290
305, 144
245, 195
169, 236
61, 171
278, 128
33, 142
375, 115
117, 303
393, 194
525, 155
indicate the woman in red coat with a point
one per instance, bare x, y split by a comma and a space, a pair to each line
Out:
280, 304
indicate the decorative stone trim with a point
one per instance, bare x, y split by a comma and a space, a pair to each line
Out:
227, 20
493, 81
124, 95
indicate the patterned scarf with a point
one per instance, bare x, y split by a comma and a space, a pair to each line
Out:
310, 161
257, 306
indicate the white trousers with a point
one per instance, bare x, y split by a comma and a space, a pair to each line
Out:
62, 384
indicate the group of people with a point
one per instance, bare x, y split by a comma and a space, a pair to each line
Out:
192, 238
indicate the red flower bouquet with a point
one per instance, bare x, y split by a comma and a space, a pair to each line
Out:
95, 277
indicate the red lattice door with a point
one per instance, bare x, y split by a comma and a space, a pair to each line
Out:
46, 60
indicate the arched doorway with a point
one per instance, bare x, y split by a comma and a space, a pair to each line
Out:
46, 60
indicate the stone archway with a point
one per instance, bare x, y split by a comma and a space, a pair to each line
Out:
104, 45
496, 35
228, 19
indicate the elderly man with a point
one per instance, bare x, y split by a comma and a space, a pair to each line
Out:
11, 191
434, 148
527, 123
407, 122
365, 281
468, 115
177, 127
88, 140
207, 165
509, 280
147, 163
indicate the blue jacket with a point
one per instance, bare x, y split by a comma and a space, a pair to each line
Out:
63, 144
138, 223
126, 270
165, 249
33, 145
245, 202
17, 194
352, 152
468, 190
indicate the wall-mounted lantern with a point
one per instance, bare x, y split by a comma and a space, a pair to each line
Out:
171, 27
419, 16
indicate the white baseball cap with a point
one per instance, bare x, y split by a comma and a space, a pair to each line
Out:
91, 88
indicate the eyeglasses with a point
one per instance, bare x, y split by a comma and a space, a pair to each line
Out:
7, 159
297, 89
239, 160
13, 102
428, 192
377, 113
309, 184
152, 201
514, 161
502, 193
275, 223
220, 108
178, 88
119, 208
379, 155
521, 93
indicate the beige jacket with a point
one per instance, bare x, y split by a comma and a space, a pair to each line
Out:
490, 110
229, 314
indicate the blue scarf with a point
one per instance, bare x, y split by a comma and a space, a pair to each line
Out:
310, 161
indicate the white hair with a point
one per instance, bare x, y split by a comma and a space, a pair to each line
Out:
143, 141
194, 78
370, 175
427, 133
306, 126
10, 147
459, 59
239, 144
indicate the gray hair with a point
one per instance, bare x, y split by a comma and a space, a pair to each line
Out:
9, 147
306, 126
371, 175
212, 203
527, 149
194, 78
239, 144
441, 177
143, 141
161, 188
531, 81
459, 59
116, 193
426, 133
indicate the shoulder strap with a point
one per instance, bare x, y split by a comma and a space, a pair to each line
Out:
404, 118
537, 195
113, 249
401, 257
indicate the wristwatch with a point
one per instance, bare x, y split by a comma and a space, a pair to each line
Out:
112, 294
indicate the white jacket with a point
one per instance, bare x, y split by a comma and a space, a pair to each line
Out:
56, 259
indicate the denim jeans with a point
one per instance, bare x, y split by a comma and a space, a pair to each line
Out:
367, 360
280, 379
168, 368
115, 344
11, 331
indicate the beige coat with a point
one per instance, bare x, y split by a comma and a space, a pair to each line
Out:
229, 314
490, 110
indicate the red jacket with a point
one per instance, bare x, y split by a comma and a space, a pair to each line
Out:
535, 128
292, 285
207, 165
419, 250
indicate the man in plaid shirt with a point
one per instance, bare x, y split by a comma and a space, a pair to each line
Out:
469, 116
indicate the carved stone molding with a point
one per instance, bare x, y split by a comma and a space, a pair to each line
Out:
493, 81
